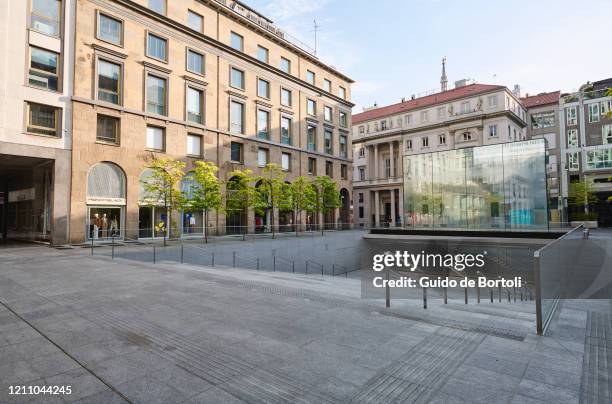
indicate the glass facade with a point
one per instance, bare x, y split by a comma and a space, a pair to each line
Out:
497, 187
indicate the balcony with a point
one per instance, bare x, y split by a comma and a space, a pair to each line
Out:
397, 180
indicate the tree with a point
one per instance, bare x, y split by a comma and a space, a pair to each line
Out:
206, 190
241, 194
582, 193
162, 186
327, 195
270, 190
302, 197
609, 114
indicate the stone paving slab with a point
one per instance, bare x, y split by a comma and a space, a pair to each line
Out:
120, 331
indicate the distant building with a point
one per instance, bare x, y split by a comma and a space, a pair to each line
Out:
466, 116
586, 143
543, 121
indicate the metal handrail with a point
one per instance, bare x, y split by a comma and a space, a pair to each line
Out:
316, 263
284, 259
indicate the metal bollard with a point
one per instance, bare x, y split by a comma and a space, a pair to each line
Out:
154, 258
515, 294
274, 264
508, 292
445, 293
466, 295
425, 298
387, 293
500, 293
92, 245
234, 259
257, 260
477, 294
182, 254
491, 290
293, 266
212, 260
585, 233
306, 267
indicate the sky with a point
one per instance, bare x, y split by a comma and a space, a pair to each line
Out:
393, 49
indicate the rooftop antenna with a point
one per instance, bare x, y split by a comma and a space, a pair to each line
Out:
316, 29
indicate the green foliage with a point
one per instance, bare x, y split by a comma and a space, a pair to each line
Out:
327, 194
583, 217
301, 196
206, 191
582, 193
241, 194
609, 113
270, 190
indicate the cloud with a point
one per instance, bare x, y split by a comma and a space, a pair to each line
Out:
283, 10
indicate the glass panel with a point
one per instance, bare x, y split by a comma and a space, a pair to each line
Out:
263, 124
45, 16
236, 117
157, 47
195, 62
328, 142
195, 21
262, 54
194, 145
43, 68
107, 129
194, 105
263, 88
193, 223
42, 120
285, 130
159, 6
236, 41
285, 97
285, 65
155, 138
109, 76
237, 78
311, 107
285, 159
312, 137
104, 222
236, 151
110, 29
343, 149
156, 95
262, 157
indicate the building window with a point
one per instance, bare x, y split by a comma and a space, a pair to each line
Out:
606, 134
237, 41
342, 92
605, 107
262, 54
236, 117
195, 62
45, 16
571, 116
408, 144
407, 119
109, 82
594, 112
285, 130
310, 77
543, 120
572, 138
285, 65
343, 146
237, 78
424, 116
328, 141
263, 88
441, 112
107, 129
383, 125
360, 197
327, 85
343, 171
465, 107
263, 124
156, 95
195, 105
425, 142
329, 169
195, 21
43, 120
262, 157
110, 29
442, 139
467, 136
492, 101
156, 138
311, 137
343, 119
285, 97
311, 107
572, 162
361, 130
361, 212
312, 166
43, 69
286, 161
159, 6
194, 145
362, 152
328, 113
599, 159
361, 171
492, 130
157, 47
236, 152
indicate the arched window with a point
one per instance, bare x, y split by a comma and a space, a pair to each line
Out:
106, 182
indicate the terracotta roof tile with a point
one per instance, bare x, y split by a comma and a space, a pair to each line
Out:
541, 99
429, 100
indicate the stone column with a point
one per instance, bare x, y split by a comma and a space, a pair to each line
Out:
368, 168
375, 176
392, 224
392, 162
400, 205
376, 209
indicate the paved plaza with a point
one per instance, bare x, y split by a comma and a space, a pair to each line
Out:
127, 331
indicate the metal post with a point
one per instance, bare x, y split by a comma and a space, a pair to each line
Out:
477, 294
182, 253
234, 259
307, 267
508, 292
466, 295
499, 293
92, 244
113, 248
293, 266
491, 290
274, 264
424, 298
333, 269
346, 274
445, 293
212, 260
154, 258
387, 293
515, 294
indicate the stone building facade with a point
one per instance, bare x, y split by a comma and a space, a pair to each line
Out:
193, 80
36, 48
468, 115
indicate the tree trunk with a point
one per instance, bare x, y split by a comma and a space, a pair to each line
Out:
206, 226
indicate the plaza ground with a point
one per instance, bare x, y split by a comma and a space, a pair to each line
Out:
127, 331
